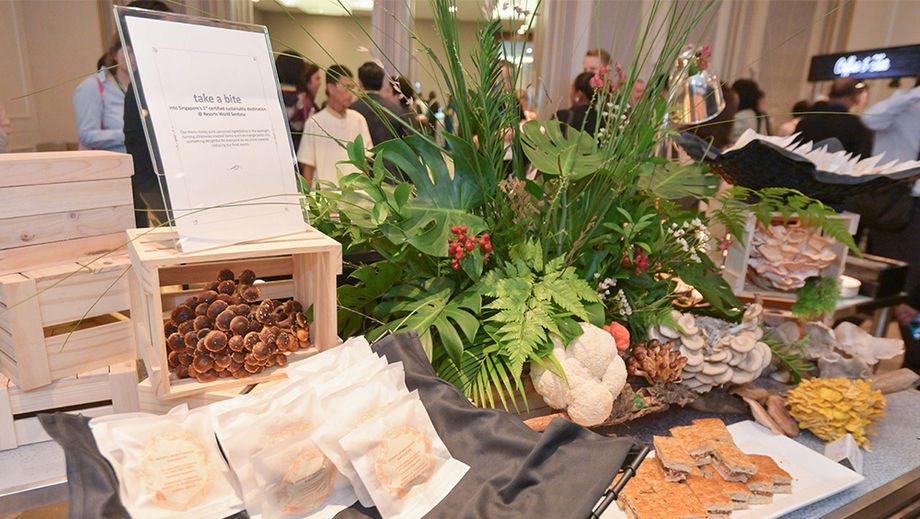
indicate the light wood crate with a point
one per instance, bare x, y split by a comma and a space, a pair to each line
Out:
311, 259
60, 320
736, 262
150, 403
112, 389
62, 206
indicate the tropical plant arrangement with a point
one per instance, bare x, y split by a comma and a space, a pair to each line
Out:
488, 258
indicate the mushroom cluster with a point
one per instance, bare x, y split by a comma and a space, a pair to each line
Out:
833, 407
783, 257
718, 352
226, 332
659, 363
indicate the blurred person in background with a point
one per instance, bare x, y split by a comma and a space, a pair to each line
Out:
294, 75
99, 103
638, 90
325, 134
581, 115
381, 114
788, 128
751, 114
595, 59
718, 130
832, 118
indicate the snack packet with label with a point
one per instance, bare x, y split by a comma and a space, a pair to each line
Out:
351, 407
402, 461
246, 430
298, 481
168, 466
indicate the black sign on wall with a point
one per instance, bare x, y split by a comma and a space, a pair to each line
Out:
867, 64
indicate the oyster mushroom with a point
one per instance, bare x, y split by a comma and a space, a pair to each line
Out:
743, 343
687, 323
693, 342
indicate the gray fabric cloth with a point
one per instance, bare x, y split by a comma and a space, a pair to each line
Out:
514, 471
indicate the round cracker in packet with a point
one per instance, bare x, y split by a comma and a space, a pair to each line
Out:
170, 466
299, 481
402, 461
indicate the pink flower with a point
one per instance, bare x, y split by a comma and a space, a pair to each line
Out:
596, 81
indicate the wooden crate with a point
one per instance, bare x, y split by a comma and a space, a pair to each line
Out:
60, 320
62, 206
736, 262
150, 403
310, 259
112, 389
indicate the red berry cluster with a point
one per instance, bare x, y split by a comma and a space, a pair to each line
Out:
457, 248
639, 260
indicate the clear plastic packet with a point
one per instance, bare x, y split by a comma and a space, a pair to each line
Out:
168, 466
350, 407
402, 461
245, 430
298, 481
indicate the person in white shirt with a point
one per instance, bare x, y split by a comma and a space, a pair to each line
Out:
326, 133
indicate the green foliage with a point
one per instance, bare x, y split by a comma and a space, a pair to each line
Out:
554, 153
737, 202
792, 357
817, 298
531, 300
672, 181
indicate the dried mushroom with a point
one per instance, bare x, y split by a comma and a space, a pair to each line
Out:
219, 334
658, 362
783, 257
717, 352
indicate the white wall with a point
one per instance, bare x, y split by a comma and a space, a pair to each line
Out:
46, 43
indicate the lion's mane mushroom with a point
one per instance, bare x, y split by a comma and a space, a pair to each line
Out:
595, 372
718, 352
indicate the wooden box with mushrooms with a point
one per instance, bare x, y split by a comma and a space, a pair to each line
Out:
778, 258
234, 315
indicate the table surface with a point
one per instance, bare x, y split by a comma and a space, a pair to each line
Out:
895, 451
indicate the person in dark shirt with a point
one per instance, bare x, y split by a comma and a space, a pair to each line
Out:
148, 200
581, 115
832, 118
381, 114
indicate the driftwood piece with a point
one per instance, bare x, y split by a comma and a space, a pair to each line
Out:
894, 381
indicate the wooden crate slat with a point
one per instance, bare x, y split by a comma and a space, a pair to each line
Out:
30, 430
123, 386
38, 199
162, 252
28, 336
6, 343
91, 348
7, 427
273, 289
148, 401
64, 300
8, 364
62, 393
47, 228
69, 251
4, 318
21, 169
207, 272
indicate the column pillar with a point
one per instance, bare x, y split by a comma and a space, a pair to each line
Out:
391, 24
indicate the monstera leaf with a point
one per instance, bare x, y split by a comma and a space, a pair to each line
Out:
442, 199
672, 181
555, 153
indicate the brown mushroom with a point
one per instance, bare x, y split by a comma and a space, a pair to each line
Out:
184, 358
252, 368
250, 340
250, 293
191, 340
225, 298
226, 287
236, 343
215, 340
247, 277
182, 371
261, 351
254, 324
212, 286
207, 376
235, 365
280, 359
269, 334
240, 373
300, 319
238, 356
201, 309
222, 361
302, 334
241, 309
202, 322
185, 327
181, 313
173, 359
264, 312
207, 297
285, 342
202, 363
170, 328
236, 299
216, 308
175, 342
239, 324
225, 275
224, 373
202, 333
191, 301
223, 320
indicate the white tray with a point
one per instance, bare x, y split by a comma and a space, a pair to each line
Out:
814, 477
